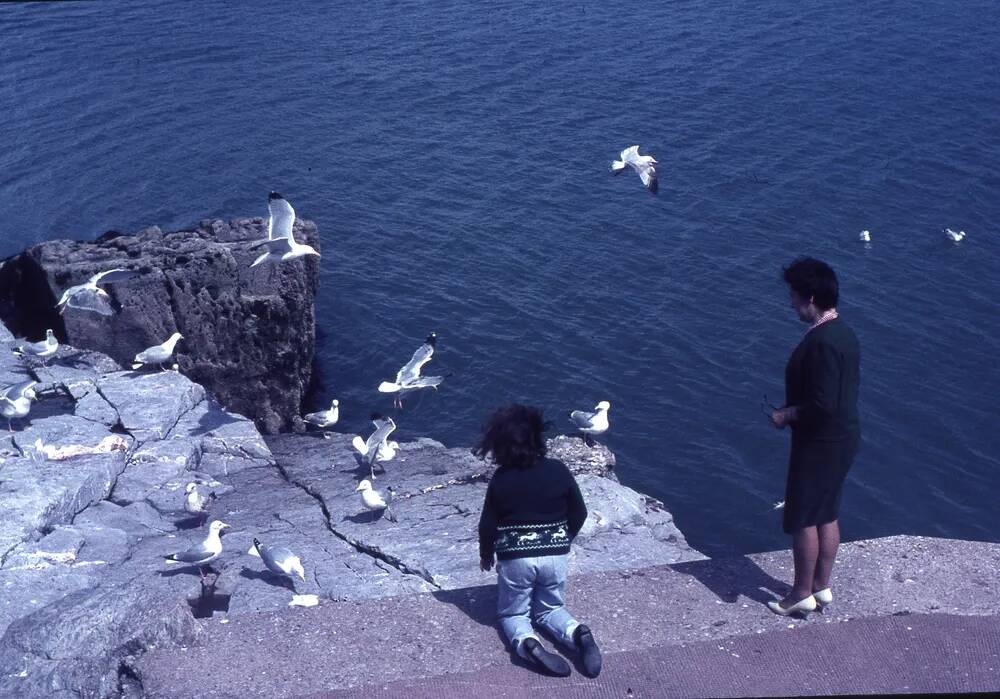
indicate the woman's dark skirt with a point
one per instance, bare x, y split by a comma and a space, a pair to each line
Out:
816, 473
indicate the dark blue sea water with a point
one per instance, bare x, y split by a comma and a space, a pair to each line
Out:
455, 156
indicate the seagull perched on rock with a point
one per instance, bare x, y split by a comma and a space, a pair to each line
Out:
373, 500
278, 559
377, 448
157, 354
40, 350
592, 423
280, 243
408, 378
197, 503
956, 237
642, 164
15, 401
204, 553
324, 418
89, 297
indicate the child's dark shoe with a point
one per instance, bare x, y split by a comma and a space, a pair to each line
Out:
549, 662
589, 652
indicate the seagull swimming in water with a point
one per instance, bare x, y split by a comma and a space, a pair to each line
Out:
157, 354
592, 423
204, 553
195, 502
89, 297
41, 350
15, 401
955, 237
374, 502
278, 559
408, 378
280, 243
644, 165
377, 448
865, 237
324, 418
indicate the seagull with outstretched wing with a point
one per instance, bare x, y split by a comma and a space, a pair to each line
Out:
408, 378
377, 448
644, 165
280, 243
90, 297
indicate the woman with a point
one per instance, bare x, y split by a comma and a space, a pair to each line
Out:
532, 512
821, 407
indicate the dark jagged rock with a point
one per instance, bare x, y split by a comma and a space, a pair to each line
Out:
249, 335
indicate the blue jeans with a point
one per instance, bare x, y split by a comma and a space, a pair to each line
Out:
533, 585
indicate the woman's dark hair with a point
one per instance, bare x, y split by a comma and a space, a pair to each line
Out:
811, 278
513, 435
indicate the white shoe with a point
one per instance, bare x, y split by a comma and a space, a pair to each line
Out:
803, 606
824, 597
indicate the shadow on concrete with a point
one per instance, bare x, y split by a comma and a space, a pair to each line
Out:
366, 517
729, 578
272, 579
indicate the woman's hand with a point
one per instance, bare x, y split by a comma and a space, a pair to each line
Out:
486, 563
782, 417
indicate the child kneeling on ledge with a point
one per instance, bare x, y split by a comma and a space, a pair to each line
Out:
532, 512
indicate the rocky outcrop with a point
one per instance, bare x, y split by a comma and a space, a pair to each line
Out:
249, 334
92, 490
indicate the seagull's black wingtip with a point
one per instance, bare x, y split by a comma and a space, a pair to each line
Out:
654, 186
256, 543
377, 416
432, 339
274, 195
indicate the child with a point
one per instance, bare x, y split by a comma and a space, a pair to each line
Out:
532, 512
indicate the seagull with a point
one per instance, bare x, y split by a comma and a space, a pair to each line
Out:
955, 237
325, 418
205, 552
408, 378
278, 559
780, 505
377, 448
280, 243
88, 297
15, 401
373, 500
279, 225
865, 237
42, 350
195, 503
592, 423
157, 354
642, 164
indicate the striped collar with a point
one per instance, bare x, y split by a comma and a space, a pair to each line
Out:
828, 315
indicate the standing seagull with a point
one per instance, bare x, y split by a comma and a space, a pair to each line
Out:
42, 350
592, 423
88, 297
642, 164
204, 553
197, 504
377, 448
325, 418
956, 237
157, 354
408, 378
373, 500
278, 559
15, 401
280, 243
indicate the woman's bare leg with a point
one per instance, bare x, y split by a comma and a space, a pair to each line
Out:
829, 540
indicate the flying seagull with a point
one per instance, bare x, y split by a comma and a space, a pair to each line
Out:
865, 237
325, 418
89, 297
642, 164
204, 553
195, 502
377, 448
408, 378
278, 559
592, 423
373, 500
157, 354
280, 243
15, 401
42, 350
955, 237
279, 225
